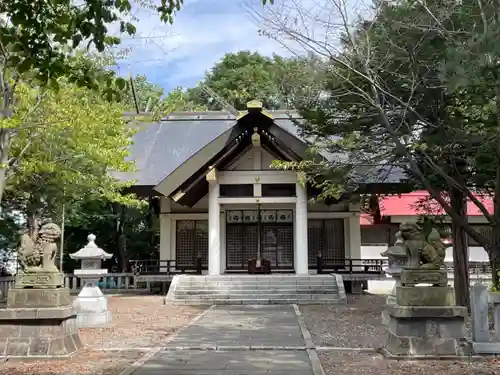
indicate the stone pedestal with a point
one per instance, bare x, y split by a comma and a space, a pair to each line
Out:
425, 296
92, 306
413, 277
424, 321
426, 330
38, 298
38, 323
494, 299
41, 279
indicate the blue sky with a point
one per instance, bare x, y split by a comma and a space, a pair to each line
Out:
203, 31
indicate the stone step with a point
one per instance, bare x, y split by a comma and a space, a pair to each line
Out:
251, 288
248, 301
255, 290
261, 296
232, 279
183, 291
258, 277
257, 285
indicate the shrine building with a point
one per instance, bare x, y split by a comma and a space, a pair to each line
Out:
221, 201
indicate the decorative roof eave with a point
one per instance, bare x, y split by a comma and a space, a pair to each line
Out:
192, 191
171, 183
254, 105
199, 178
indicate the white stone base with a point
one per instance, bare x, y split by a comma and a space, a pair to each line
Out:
92, 308
486, 347
93, 320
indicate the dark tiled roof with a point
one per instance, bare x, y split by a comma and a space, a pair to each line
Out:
379, 174
160, 148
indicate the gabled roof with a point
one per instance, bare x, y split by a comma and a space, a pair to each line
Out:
159, 148
167, 151
232, 143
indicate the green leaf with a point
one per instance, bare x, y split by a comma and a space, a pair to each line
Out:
130, 28
121, 83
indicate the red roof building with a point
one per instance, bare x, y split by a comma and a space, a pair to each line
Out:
417, 203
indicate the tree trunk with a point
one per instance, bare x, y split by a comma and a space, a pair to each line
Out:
460, 251
121, 240
33, 217
4, 158
5, 133
494, 250
495, 277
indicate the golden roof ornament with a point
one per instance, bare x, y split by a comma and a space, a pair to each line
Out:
254, 104
256, 137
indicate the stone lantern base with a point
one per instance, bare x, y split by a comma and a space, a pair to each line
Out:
92, 307
45, 328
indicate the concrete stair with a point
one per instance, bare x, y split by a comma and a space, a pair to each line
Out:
256, 289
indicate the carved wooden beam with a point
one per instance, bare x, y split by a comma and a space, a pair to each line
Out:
211, 175
205, 175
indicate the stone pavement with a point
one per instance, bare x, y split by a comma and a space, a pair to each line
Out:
238, 340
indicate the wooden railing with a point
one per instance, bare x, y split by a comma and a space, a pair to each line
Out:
475, 268
111, 282
376, 266
166, 267
351, 266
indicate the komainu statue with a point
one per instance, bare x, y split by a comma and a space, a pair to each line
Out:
37, 258
423, 253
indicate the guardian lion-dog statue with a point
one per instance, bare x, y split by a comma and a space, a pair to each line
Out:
423, 253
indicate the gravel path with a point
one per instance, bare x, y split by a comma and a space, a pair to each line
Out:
138, 322
359, 325
343, 363
355, 325
87, 362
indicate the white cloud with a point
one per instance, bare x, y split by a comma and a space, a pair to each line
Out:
201, 34
203, 31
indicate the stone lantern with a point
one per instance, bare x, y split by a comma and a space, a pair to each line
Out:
398, 259
91, 304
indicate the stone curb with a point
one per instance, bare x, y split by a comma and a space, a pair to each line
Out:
315, 362
310, 347
462, 358
233, 348
139, 362
303, 329
341, 349
238, 348
24, 358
